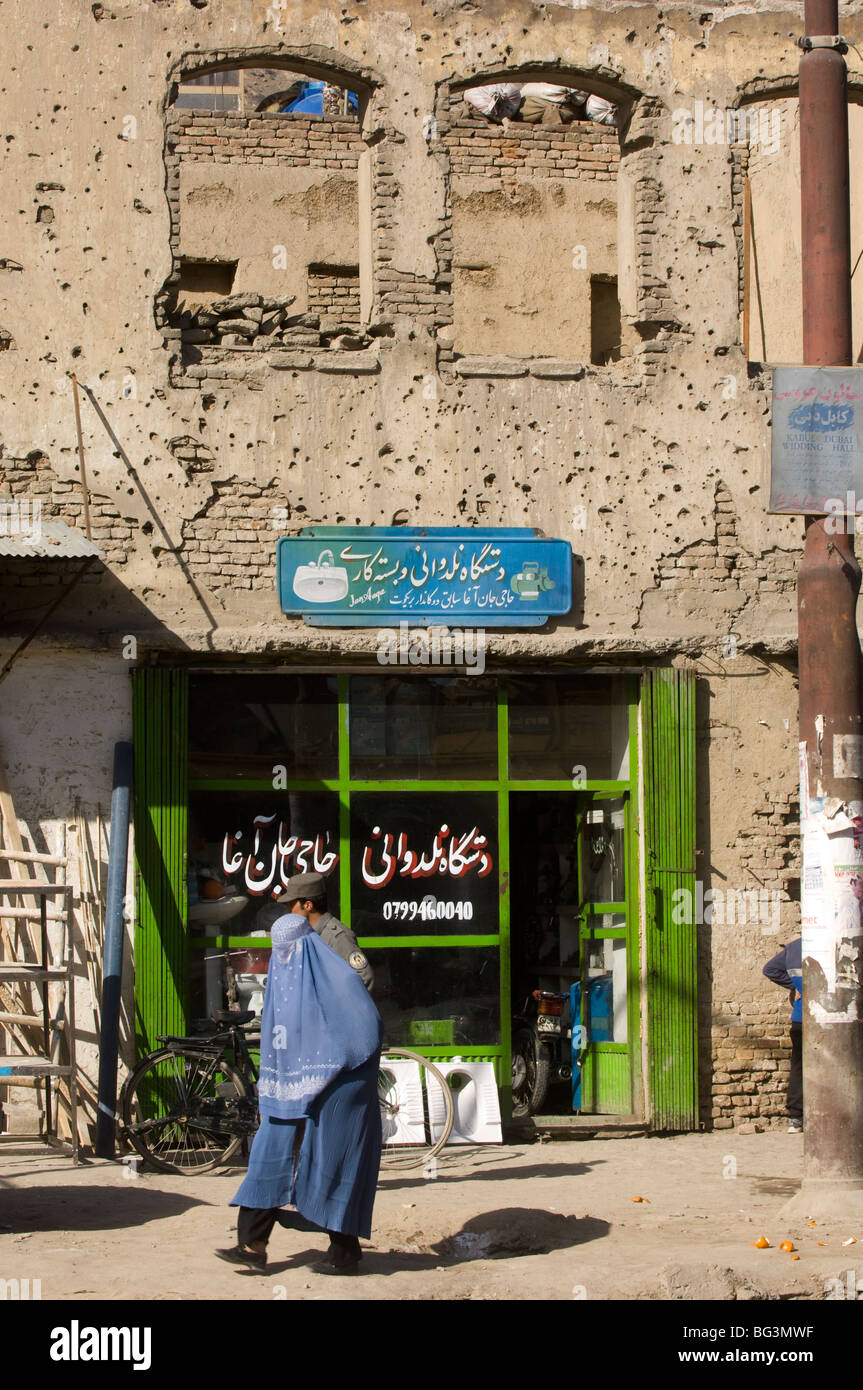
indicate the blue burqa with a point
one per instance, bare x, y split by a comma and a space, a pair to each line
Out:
320, 1052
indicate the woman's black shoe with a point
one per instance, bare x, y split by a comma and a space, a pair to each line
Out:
343, 1256
238, 1256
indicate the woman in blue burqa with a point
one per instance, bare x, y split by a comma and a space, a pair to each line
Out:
318, 1147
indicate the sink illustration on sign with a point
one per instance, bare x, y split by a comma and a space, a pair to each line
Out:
321, 581
531, 580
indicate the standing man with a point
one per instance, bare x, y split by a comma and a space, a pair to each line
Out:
786, 969
306, 895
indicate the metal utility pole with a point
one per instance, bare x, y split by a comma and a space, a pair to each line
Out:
831, 696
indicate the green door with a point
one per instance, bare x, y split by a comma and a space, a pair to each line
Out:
607, 999
160, 705
668, 724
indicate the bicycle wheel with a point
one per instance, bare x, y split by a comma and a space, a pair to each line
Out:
186, 1112
432, 1113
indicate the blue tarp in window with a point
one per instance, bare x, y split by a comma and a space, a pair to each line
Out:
311, 100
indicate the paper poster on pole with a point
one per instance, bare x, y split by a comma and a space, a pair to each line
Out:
817, 443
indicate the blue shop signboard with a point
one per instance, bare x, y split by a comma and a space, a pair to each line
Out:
350, 576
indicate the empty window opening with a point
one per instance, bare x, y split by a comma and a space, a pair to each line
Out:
533, 179
215, 91
765, 140
535, 103
266, 91
605, 327
265, 221
201, 282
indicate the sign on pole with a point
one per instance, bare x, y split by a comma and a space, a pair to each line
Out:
817, 451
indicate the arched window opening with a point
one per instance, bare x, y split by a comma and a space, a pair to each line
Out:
765, 141
263, 186
534, 204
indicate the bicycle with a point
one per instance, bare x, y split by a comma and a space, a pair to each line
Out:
189, 1106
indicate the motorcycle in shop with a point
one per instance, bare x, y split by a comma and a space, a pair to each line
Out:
541, 1050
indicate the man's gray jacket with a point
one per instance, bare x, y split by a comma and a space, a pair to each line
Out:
330, 930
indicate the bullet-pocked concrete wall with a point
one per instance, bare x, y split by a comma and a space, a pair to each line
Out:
654, 467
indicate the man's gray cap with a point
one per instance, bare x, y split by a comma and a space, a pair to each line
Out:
303, 886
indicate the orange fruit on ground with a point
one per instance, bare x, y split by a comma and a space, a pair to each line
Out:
762, 1243
787, 1246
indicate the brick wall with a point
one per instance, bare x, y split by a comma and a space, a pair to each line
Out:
721, 561
33, 478
334, 294
317, 142
581, 150
232, 543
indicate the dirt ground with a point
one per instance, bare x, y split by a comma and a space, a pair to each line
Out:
538, 1220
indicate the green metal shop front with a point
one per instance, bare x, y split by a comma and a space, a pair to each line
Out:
479, 834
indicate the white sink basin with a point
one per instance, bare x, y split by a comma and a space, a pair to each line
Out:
215, 912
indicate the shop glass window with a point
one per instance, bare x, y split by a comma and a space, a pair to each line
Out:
243, 847
432, 730
604, 985
559, 727
250, 843
424, 864
603, 859
245, 726
441, 997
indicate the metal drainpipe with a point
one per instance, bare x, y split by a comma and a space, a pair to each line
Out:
829, 657
112, 969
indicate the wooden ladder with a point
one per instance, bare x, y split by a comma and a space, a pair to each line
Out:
37, 1036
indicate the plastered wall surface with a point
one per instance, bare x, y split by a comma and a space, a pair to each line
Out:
654, 467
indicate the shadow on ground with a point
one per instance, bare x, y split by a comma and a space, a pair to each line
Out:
495, 1235
415, 1177
775, 1187
59, 1208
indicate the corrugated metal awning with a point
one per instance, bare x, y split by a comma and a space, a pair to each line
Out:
48, 540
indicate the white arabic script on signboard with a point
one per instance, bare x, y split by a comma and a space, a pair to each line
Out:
268, 871
457, 858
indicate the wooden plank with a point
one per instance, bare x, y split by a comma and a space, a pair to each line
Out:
29, 857
28, 914
24, 970
29, 885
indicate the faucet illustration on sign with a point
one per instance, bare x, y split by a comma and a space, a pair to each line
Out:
531, 581
321, 581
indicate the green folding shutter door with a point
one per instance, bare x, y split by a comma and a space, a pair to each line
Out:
160, 703
670, 947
